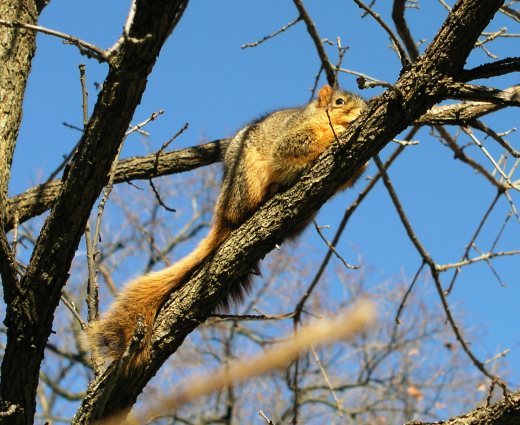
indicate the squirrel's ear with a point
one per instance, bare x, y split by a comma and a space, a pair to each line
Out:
325, 95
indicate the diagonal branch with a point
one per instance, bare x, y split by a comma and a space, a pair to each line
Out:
504, 412
403, 30
395, 41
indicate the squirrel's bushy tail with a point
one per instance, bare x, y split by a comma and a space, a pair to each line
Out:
144, 297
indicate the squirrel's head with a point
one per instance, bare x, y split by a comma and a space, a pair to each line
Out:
343, 107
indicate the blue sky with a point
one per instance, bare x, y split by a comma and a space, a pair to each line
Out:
203, 77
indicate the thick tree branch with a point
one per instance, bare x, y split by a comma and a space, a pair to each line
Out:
463, 91
464, 113
417, 90
29, 315
493, 69
39, 199
504, 412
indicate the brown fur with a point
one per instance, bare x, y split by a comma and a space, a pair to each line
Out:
262, 159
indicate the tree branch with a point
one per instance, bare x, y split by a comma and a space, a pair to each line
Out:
403, 58
464, 113
493, 69
505, 412
403, 30
40, 198
87, 49
464, 91
313, 32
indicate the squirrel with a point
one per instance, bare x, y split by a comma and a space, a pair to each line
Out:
263, 158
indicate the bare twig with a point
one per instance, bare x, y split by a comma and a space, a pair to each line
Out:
497, 137
139, 126
512, 13
480, 226
484, 257
488, 156
341, 54
169, 141
339, 403
459, 154
84, 103
365, 81
84, 94
274, 34
71, 306
313, 32
403, 58
403, 30
159, 199
267, 420
490, 37
433, 268
333, 248
407, 293
87, 49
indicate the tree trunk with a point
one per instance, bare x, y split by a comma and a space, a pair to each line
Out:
17, 48
32, 302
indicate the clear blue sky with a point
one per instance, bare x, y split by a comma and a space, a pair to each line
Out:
204, 78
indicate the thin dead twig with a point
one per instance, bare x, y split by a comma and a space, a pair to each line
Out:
484, 257
426, 258
313, 32
479, 228
510, 184
85, 48
333, 248
497, 137
272, 35
403, 58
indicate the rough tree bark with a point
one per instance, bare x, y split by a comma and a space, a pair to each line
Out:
420, 86
32, 300
505, 412
17, 47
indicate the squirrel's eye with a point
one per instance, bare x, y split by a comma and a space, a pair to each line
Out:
340, 101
